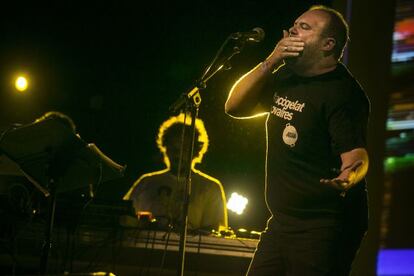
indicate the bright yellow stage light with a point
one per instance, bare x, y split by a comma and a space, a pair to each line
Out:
237, 203
21, 84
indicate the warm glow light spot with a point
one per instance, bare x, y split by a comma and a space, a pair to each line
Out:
21, 84
237, 203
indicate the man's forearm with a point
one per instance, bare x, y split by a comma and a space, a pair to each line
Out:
245, 93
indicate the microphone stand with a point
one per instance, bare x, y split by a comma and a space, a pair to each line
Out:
191, 101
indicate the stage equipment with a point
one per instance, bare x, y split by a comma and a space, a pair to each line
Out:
56, 160
134, 251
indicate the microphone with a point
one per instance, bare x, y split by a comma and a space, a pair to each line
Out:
255, 35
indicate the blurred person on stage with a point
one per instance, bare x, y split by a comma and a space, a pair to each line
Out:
160, 194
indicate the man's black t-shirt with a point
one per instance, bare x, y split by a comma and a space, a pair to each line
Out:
312, 121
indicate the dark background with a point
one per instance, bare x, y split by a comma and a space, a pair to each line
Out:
115, 68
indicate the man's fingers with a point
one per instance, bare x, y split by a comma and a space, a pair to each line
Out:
294, 39
294, 48
285, 34
356, 165
291, 54
296, 43
336, 183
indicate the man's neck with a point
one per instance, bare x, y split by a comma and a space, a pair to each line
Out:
316, 69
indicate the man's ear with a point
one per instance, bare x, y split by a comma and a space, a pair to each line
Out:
329, 44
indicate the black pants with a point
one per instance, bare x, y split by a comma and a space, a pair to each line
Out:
327, 250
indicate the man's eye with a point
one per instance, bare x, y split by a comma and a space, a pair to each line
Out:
304, 26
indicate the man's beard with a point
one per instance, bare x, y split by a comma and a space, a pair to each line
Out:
304, 59
293, 62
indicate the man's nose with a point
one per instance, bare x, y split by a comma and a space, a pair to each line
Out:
292, 31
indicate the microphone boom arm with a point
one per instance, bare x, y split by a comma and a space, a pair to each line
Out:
202, 82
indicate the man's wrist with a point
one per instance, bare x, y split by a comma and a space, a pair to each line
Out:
268, 67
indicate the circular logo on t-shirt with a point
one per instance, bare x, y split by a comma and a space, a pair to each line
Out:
290, 135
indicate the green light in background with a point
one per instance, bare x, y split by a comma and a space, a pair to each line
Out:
395, 163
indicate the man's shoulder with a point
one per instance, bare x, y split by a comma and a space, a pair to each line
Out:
146, 177
203, 177
346, 75
144, 181
345, 84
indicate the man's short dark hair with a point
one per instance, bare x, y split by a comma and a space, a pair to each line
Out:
337, 28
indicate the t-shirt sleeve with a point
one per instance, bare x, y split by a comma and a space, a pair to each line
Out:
347, 115
279, 76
